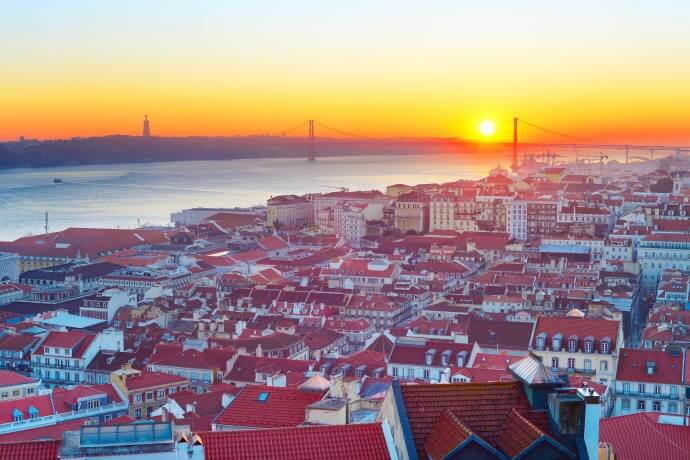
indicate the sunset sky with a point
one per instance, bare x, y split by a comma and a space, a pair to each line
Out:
613, 70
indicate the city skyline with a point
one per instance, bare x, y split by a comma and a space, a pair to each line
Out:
609, 72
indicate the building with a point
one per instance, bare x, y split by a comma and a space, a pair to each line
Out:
15, 351
62, 358
81, 277
104, 305
16, 386
412, 212
419, 358
585, 346
146, 391
289, 210
9, 267
660, 252
529, 218
650, 380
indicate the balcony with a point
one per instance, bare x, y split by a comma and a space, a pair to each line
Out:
650, 395
63, 417
38, 365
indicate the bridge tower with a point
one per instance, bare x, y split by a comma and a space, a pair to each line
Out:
311, 141
514, 166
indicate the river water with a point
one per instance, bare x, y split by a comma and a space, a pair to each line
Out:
125, 195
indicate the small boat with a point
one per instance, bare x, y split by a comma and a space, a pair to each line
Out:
57, 181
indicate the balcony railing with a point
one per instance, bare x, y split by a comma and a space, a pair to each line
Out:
650, 395
62, 417
58, 366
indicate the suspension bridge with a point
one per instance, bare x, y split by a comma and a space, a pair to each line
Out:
569, 142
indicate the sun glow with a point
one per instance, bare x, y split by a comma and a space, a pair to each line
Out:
487, 128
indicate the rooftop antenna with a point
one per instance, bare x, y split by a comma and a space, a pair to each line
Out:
46, 225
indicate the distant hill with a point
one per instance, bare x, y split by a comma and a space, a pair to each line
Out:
136, 149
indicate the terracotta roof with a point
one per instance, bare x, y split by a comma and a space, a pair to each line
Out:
8, 378
42, 403
632, 366
502, 334
262, 406
335, 442
582, 327
409, 353
481, 407
30, 450
662, 441
153, 379
447, 434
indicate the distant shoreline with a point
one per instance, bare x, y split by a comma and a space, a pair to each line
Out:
134, 149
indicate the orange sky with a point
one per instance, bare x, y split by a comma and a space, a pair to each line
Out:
616, 72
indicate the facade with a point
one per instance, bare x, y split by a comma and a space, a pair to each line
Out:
579, 345
146, 391
531, 218
289, 210
660, 252
16, 386
649, 381
419, 358
62, 358
15, 351
412, 212
104, 305
9, 267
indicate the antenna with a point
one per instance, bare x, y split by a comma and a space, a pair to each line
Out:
46, 225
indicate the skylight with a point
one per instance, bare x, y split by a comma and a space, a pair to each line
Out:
263, 396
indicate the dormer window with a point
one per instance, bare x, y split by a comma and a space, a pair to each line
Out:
605, 346
429, 356
557, 342
572, 343
17, 415
461, 358
589, 344
541, 341
445, 357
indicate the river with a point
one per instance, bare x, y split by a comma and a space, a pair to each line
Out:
125, 195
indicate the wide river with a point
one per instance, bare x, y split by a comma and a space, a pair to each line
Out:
125, 195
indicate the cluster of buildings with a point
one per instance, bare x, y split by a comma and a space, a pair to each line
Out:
502, 318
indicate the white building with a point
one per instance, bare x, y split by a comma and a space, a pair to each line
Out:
657, 253
9, 267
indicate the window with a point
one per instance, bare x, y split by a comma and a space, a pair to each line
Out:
641, 388
603, 365
626, 388
571, 363
137, 413
149, 395
656, 405
674, 392
641, 404
625, 404
588, 365
395, 371
554, 363
672, 407
137, 397
657, 390
161, 394
427, 374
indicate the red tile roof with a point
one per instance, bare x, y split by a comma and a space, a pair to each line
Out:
280, 407
406, 353
335, 442
31, 450
481, 407
8, 378
517, 434
661, 441
582, 327
446, 435
75, 340
153, 379
632, 366
42, 403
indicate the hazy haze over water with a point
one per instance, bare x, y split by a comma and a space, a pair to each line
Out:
121, 194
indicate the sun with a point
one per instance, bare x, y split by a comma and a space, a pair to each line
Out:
487, 128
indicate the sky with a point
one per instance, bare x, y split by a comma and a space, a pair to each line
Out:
611, 71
